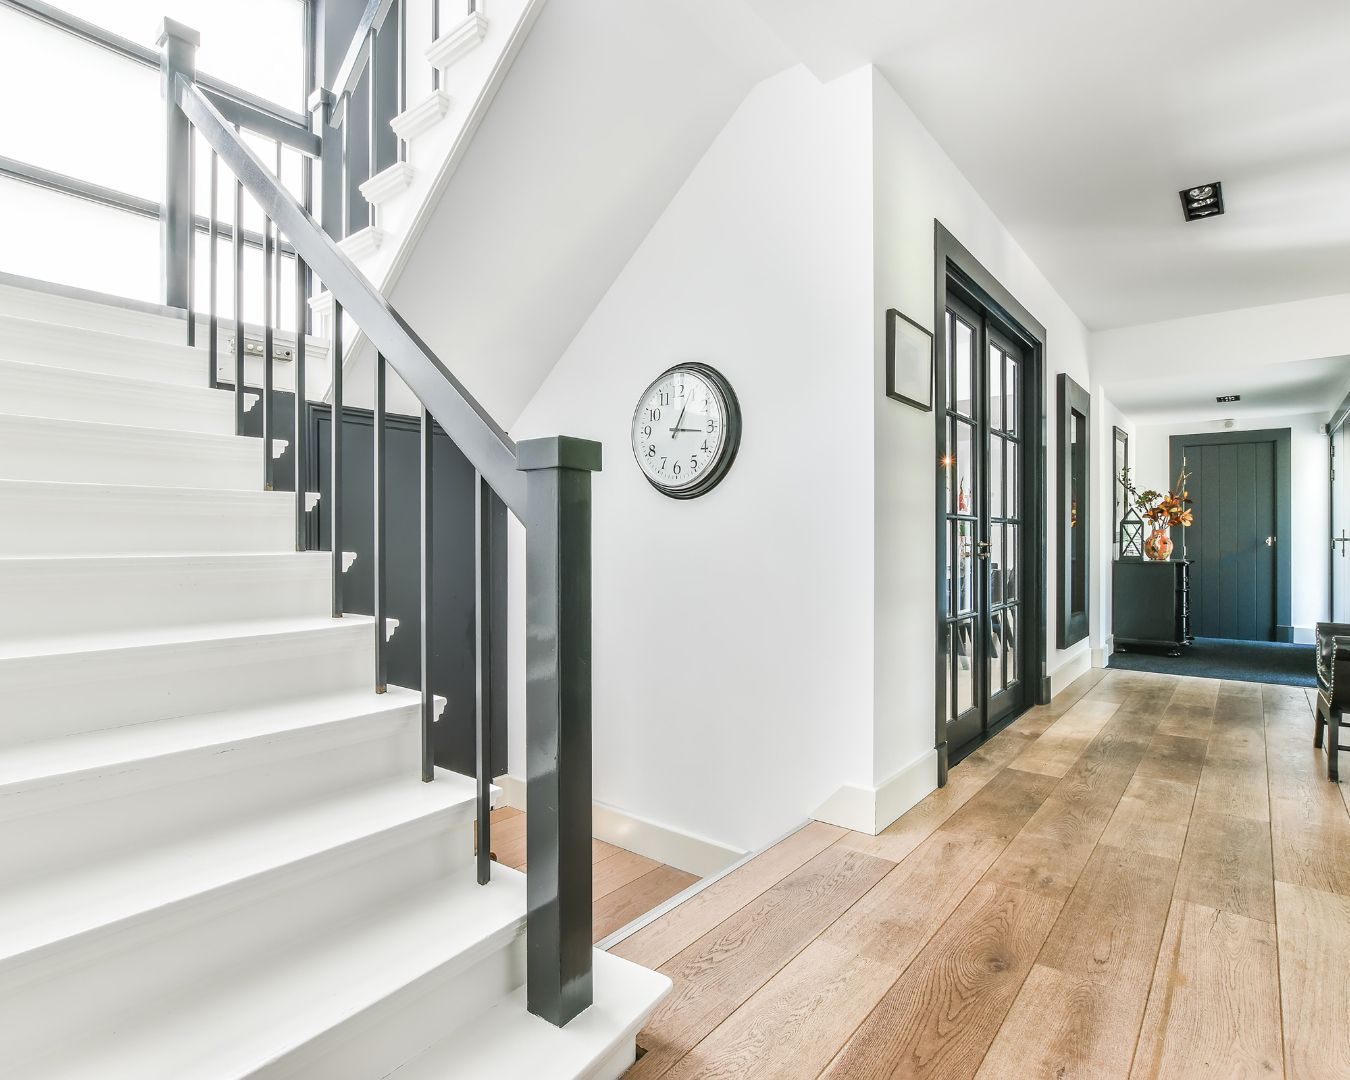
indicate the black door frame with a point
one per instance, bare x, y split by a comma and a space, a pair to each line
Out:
1334, 425
956, 270
1284, 552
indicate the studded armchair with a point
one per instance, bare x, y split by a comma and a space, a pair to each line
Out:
1333, 689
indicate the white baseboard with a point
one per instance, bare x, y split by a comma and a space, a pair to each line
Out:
1102, 655
1305, 635
869, 810
1070, 670
685, 851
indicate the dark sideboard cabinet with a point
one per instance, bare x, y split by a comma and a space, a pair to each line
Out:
1151, 604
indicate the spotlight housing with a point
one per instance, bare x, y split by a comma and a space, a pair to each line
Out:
1202, 201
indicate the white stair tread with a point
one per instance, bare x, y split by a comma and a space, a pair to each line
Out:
233, 1025
188, 634
170, 562
507, 1042
63, 760
58, 427
54, 912
229, 500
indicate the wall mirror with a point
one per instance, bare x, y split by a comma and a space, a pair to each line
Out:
1074, 495
1120, 459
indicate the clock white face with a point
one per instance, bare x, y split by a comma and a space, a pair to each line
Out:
679, 429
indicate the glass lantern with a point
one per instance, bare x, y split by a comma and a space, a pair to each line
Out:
1131, 535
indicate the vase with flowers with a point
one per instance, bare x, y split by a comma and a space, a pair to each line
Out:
1164, 510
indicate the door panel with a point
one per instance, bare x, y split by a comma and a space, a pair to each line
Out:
987, 682
1339, 464
1232, 544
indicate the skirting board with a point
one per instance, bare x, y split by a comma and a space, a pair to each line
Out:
869, 810
1071, 669
693, 854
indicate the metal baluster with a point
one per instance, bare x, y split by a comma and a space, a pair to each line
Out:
192, 239
345, 163
428, 697
482, 568
335, 464
267, 432
435, 36
401, 71
301, 480
301, 402
373, 158
238, 305
378, 549
213, 329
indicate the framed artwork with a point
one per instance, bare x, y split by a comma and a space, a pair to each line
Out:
909, 361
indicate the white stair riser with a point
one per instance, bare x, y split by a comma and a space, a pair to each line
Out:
50, 696
377, 1041
82, 983
34, 390
40, 519
171, 796
53, 596
38, 450
108, 354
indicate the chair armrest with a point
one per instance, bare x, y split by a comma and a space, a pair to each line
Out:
1333, 657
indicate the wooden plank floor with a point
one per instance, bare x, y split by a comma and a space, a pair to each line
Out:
625, 885
1149, 877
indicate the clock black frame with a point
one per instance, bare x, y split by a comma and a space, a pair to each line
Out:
732, 441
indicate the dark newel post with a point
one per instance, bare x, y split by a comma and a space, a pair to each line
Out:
558, 723
177, 56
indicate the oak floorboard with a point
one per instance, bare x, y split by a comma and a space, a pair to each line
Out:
1001, 807
1213, 1009
1174, 757
720, 970
508, 841
617, 871
656, 943
941, 1015
1314, 943
792, 1026
1064, 742
1226, 865
1151, 817
618, 908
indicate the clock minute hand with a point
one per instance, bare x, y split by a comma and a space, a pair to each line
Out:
680, 419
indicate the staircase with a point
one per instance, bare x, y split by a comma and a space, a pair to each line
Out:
218, 857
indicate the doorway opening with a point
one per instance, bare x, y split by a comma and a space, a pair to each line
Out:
989, 409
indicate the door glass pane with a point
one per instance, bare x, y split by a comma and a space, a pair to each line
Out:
995, 651
1013, 403
1011, 646
965, 666
1011, 589
960, 467
995, 389
960, 399
995, 476
950, 663
963, 556
996, 567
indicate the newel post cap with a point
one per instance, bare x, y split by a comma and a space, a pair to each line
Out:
173, 30
558, 452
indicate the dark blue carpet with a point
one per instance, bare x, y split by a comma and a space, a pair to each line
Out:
1220, 658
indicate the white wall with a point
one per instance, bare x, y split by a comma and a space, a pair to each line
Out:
732, 633
915, 183
1308, 493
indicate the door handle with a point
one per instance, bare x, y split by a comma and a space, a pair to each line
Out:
1270, 541
983, 552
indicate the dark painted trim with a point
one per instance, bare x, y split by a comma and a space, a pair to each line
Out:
1284, 517
953, 264
1073, 626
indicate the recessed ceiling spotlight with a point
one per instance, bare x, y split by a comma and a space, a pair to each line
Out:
1228, 397
1205, 200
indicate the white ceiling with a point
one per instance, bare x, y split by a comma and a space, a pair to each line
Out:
1289, 389
1078, 122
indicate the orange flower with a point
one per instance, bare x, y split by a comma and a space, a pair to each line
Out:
1185, 519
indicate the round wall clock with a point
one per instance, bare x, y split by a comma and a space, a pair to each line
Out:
686, 430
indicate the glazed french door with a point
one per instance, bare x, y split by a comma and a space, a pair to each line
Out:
984, 464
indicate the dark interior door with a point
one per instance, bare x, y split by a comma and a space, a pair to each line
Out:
1233, 543
985, 535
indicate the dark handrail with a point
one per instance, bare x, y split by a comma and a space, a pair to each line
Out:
478, 437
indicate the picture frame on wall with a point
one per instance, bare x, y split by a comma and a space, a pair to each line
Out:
909, 361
